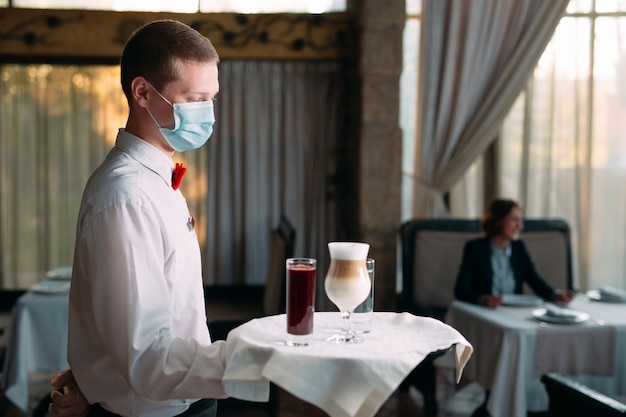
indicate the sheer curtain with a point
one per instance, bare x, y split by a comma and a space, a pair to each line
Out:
476, 57
277, 140
55, 127
562, 151
279, 130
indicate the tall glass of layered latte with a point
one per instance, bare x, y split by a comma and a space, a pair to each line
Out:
347, 283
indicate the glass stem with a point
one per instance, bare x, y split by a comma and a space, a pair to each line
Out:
346, 327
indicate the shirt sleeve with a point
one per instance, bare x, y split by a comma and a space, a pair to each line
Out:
123, 255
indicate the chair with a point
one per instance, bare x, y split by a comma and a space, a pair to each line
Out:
549, 244
568, 398
431, 252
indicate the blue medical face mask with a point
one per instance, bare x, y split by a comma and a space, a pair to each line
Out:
193, 124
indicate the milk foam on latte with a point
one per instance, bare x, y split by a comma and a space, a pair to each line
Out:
347, 283
349, 251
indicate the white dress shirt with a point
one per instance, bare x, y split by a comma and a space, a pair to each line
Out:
138, 339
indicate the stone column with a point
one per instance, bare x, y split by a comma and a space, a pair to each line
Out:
378, 166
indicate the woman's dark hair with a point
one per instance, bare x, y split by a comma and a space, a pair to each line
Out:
497, 210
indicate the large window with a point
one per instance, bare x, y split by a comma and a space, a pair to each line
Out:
562, 148
561, 151
408, 99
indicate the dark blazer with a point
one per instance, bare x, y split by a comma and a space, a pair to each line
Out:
475, 274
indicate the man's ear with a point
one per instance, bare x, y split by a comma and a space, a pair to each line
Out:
140, 89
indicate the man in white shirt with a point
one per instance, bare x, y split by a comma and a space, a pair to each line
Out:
138, 340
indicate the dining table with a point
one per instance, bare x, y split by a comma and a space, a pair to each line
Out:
344, 380
37, 342
514, 345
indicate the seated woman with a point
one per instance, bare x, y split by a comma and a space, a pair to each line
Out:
499, 262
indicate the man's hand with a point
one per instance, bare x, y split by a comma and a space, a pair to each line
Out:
67, 399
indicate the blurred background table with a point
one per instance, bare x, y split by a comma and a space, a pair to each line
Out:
513, 350
37, 342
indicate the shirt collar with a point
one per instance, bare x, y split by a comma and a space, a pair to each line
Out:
506, 250
145, 154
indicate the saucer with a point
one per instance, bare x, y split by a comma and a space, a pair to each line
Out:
560, 316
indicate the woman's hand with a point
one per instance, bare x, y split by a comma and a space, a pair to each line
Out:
491, 301
564, 296
67, 399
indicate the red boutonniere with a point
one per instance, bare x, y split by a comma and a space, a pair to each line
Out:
177, 175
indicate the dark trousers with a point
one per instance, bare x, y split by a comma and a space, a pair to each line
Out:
201, 408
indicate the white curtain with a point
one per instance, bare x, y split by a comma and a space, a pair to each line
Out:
277, 139
477, 56
563, 144
562, 152
274, 151
55, 127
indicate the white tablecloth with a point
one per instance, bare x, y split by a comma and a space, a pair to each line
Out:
513, 350
37, 342
343, 380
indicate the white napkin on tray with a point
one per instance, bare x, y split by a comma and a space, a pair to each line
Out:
343, 380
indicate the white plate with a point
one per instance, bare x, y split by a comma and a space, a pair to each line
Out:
521, 300
566, 316
60, 273
51, 287
598, 296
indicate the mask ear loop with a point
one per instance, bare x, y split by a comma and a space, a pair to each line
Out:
160, 95
153, 118
148, 109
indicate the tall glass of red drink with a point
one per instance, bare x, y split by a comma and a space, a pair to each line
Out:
300, 300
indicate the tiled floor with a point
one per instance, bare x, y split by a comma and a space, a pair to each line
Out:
454, 401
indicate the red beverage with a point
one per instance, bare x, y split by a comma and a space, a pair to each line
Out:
300, 299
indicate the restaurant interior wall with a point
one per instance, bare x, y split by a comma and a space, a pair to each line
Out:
70, 37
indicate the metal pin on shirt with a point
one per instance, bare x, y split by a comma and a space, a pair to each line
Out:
190, 223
